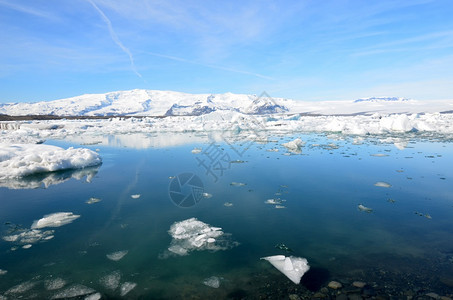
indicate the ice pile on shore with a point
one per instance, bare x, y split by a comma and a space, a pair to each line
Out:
21, 160
192, 234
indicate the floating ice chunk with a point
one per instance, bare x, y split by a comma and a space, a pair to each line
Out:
212, 281
54, 284
21, 160
21, 288
76, 290
196, 150
238, 184
135, 196
127, 287
379, 155
29, 236
192, 234
28, 246
95, 296
294, 146
280, 206
364, 208
383, 184
207, 195
116, 256
3, 272
93, 200
55, 220
228, 204
293, 267
111, 281
274, 201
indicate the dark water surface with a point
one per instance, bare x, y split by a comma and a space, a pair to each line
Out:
404, 243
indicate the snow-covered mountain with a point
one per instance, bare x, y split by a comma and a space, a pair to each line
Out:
168, 103
148, 103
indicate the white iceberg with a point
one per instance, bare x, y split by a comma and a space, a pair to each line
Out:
361, 207
293, 267
27, 159
55, 220
136, 196
294, 146
192, 234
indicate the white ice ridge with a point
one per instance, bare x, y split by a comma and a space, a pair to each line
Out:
293, 267
18, 160
192, 234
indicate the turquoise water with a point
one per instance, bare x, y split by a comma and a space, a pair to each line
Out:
408, 230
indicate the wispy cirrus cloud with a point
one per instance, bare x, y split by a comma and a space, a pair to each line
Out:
115, 37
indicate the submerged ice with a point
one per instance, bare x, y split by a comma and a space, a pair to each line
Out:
293, 267
192, 234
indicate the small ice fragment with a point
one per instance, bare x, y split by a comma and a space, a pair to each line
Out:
364, 208
207, 195
28, 246
55, 220
428, 216
111, 281
54, 284
212, 281
127, 287
238, 184
379, 155
390, 200
274, 201
136, 196
293, 267
196, 150
280, 206
116, 256
228, 204
74, 291
3, 272
93, 200
383, 184
211, 240
171, 177
237, 161
95, 296
272, 150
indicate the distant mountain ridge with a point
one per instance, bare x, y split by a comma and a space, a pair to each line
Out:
381, 99
149, 103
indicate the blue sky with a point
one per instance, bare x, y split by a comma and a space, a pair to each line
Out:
304, 50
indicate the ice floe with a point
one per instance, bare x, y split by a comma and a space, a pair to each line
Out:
361, 207
126, 287
55, 220
111, 281
212, 281
76, 290
136, 196
293, 267
382, 184
93, 200
238, 184
54, 284
192, 234
294, 146
22, 160
196, 150
3, 272
228, 204
21, 288
118, 255
29, 236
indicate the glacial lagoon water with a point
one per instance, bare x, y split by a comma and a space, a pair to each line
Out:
118, 247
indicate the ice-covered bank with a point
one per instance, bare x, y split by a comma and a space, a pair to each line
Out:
19, 160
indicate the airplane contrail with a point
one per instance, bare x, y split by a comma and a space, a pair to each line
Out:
115, 37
